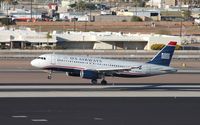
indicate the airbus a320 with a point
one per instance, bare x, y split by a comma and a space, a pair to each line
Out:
97, 68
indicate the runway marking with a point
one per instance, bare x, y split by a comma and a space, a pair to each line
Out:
98, 88
39, 120
98, 119
19, 116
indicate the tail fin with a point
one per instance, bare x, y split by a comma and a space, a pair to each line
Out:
164, 56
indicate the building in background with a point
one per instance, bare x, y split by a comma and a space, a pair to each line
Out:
29, 39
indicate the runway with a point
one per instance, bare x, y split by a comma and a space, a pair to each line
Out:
99, 111
92, 88
40, 77
27, 97
137, 90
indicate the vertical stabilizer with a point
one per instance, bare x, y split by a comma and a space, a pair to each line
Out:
164, 56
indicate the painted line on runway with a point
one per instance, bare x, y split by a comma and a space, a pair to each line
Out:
19, 116
39, 120
98, 88
98, 119
144, 93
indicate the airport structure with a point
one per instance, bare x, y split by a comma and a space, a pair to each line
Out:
29, 39
25, 38
150, 14
113, 40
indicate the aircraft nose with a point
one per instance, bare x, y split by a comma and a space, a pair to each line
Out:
34, 63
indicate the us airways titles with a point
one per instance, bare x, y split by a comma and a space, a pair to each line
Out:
82, 59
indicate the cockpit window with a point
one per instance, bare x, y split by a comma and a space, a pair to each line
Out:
43, 58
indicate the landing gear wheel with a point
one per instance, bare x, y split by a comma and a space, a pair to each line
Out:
94, 81
49, 75
104, 82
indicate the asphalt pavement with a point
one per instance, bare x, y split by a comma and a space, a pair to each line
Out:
99, 111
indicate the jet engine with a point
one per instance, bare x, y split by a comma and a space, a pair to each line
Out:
72, 74
88, 74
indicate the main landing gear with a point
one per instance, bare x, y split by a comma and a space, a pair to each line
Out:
103, 82
94, 81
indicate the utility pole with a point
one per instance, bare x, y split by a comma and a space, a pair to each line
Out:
90, 11
181, 27
180, 4
136, 3
85, 25
7, 19
74, 24
31, 9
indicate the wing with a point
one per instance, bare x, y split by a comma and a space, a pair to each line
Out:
116, 69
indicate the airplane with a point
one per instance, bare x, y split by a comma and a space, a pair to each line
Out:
97, 68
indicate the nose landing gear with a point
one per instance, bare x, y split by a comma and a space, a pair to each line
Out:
50, 75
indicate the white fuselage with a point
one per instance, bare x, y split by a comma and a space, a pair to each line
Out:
68, 63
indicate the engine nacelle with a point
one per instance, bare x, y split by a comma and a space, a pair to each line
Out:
72, 74
88, 74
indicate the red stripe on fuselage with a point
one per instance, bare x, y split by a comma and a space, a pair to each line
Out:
64, 67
